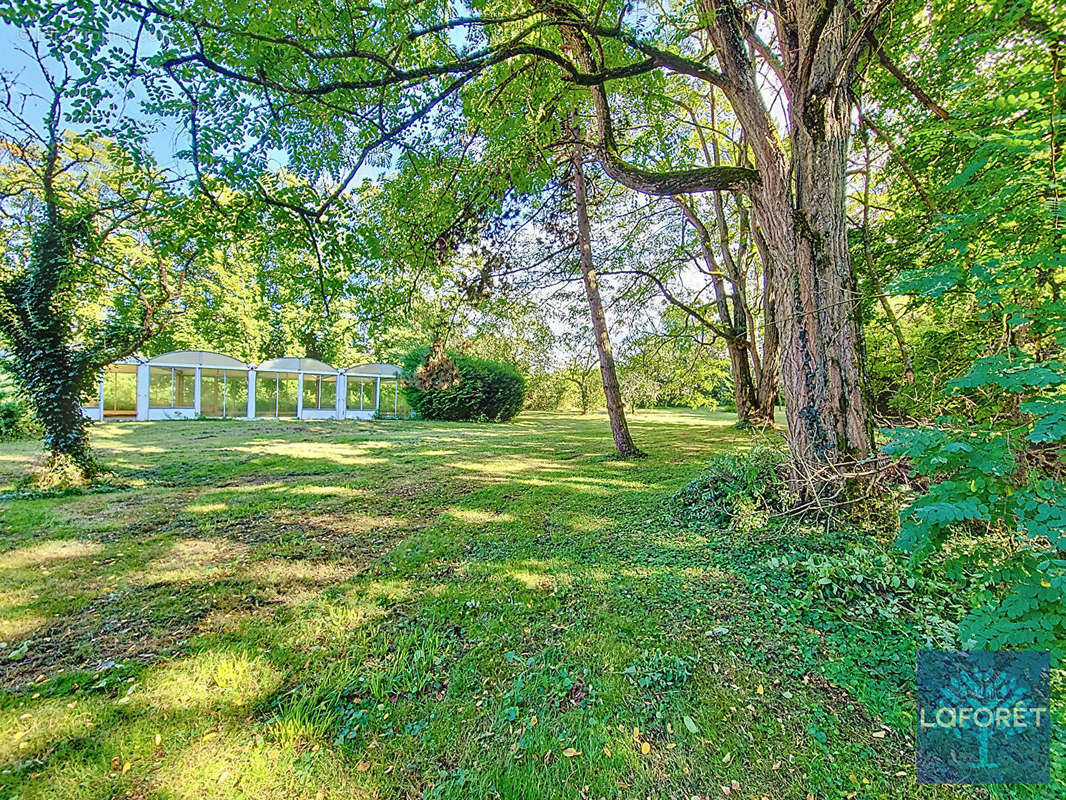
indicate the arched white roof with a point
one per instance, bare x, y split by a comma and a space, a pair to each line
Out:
197, 358
384, 370
296, 365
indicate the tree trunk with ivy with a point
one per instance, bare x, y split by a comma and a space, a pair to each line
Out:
51, 372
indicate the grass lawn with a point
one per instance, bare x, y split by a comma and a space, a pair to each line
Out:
407, 609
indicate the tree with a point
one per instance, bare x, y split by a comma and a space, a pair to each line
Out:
272, 78
88, 227
623, 441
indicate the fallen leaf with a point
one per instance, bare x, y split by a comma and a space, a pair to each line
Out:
363, 766
690, 725
759, 690
570, 752
645, 748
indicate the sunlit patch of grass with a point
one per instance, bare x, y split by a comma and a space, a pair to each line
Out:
206, 508
538, 581
222, 681
234, 764
27, 729
17, 624
475, 516
187, 559
42, 554
328, 491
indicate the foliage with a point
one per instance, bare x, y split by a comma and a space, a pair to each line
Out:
990, 266
661, 678
743, 491
457, 387
16, 416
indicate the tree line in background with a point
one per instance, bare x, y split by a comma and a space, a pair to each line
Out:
853, 208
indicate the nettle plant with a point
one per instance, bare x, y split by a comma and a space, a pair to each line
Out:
998, 473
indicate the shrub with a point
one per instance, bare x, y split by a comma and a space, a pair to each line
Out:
742, 491
17, 421
446, 386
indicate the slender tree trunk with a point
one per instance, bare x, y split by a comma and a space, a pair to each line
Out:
770, 363
623, 442
734, 323
875, 281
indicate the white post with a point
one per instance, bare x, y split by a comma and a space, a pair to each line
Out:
342, 395
299, 395
142, 391
196, 384
251, 394
377, 395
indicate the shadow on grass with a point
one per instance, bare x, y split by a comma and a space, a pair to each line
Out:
401, 610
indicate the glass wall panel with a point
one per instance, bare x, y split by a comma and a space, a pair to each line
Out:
387, 403
362, 393
354, 389
403, 408
159, 386
320, 392
236, 393
224, 393
266, 394
212, 392
170, 387
328, 393
184, 388
120, 393
310, 391
286, 394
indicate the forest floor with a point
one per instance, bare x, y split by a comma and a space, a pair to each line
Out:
395, 609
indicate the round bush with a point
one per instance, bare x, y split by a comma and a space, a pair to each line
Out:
454, 387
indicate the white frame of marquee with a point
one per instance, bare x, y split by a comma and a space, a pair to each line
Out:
197, 361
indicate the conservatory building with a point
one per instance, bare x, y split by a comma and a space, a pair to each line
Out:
187, 384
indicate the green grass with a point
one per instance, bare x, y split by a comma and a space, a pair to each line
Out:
405, 609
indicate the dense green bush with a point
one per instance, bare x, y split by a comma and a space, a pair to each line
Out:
17, 420
742, 491
457, 387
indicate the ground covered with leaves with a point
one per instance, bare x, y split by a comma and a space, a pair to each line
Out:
407, 609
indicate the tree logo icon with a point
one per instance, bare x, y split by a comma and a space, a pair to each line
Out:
983, 717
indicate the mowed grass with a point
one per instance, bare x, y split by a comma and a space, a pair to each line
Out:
401, 609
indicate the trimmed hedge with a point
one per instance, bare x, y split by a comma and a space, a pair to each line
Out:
475, 389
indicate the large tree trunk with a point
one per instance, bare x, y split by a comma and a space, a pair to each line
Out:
623, 442
822, 368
